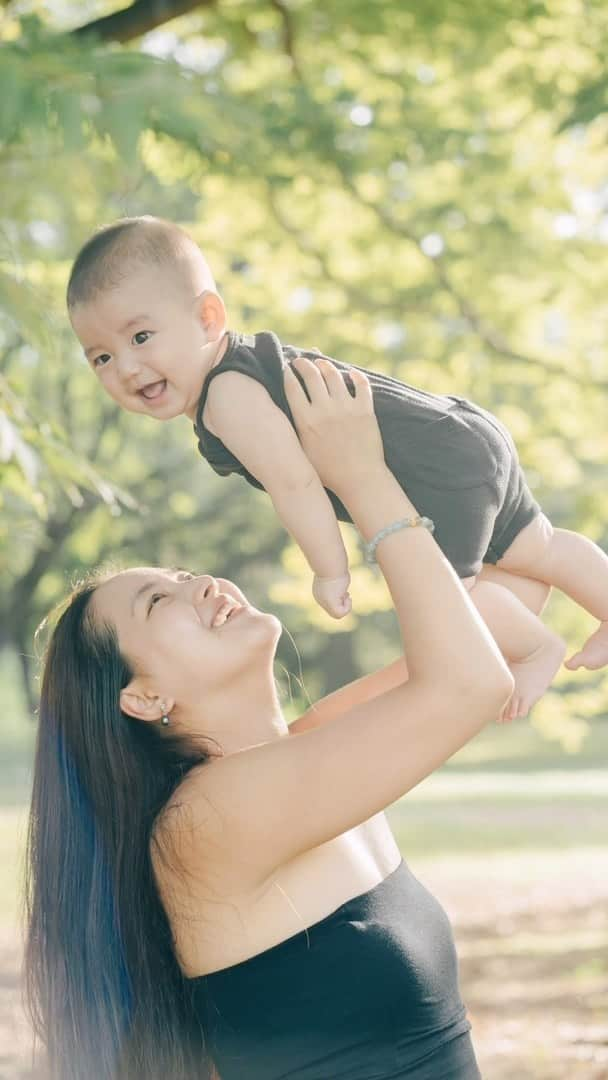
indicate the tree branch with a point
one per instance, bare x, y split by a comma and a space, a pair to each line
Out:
490, 337
359, 297
288, 33
138, 19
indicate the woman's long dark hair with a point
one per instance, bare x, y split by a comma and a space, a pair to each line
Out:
103, 987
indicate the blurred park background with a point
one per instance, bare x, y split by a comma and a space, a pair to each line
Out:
420, 188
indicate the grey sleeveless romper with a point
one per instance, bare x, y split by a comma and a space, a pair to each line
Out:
456, 462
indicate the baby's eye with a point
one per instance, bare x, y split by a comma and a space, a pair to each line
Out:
140, 337
101, 361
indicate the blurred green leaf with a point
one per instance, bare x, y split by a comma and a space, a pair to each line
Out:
406, 191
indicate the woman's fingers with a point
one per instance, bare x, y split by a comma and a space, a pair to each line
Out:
313, 379
322, 383
338, 389
336, 429
334, 379
320, 374
295, 394
363, 390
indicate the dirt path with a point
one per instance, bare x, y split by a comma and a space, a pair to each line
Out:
532, 936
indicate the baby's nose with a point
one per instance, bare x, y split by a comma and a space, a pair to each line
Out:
128, 366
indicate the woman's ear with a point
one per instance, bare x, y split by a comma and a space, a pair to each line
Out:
211, 313
135, 701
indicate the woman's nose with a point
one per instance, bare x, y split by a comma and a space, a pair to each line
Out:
204, 587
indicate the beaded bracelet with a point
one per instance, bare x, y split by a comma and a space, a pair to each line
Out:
369, 550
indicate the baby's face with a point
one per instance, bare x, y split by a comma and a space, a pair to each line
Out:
144, 342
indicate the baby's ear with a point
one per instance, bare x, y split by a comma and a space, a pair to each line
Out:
212, 314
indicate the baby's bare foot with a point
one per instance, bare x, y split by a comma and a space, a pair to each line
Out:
594, 653
533, 675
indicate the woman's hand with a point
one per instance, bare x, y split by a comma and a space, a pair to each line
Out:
338, 432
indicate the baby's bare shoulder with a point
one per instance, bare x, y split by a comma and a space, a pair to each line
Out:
232, 390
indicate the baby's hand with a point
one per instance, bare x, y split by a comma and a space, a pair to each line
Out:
332, 595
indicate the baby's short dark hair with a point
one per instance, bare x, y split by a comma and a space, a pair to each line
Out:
113, 251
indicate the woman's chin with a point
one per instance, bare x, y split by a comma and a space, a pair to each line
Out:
272, 625
266, 630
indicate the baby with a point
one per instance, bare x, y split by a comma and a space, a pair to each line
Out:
143, 302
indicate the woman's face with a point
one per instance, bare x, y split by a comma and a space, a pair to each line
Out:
186, 637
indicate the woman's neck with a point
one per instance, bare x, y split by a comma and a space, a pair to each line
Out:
239, 718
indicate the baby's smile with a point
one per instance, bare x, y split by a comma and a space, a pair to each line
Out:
153, 391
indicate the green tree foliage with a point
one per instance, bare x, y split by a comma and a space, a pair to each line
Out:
417, 187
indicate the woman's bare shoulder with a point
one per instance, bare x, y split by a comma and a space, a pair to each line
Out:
190, 836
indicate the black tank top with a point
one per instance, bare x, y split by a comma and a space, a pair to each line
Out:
368, 993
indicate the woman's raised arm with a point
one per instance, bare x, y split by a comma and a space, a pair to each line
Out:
278, 799
444, 638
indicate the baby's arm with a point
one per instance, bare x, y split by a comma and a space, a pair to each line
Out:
241, 413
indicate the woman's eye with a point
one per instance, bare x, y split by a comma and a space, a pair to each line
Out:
101, 361
141, 337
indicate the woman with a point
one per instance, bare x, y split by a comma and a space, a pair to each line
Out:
207, 887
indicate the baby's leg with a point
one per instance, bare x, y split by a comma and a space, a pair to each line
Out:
534, 652
534, 594
573, 564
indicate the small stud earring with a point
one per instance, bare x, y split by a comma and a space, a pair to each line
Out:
164, 718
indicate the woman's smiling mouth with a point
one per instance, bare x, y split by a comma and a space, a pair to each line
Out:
228, 609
